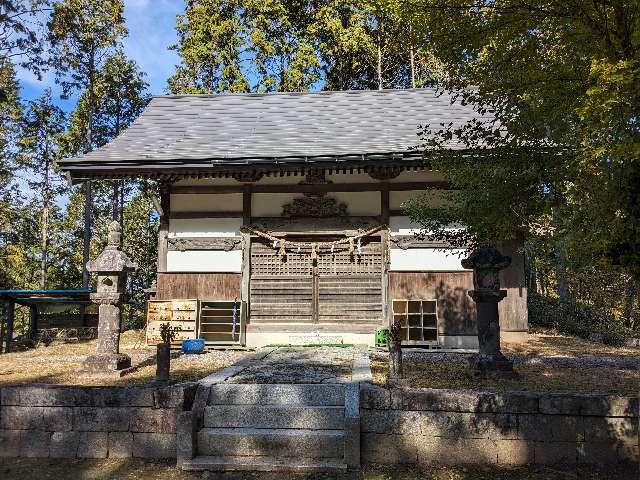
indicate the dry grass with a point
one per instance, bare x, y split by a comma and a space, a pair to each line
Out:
534, 378
424, 373
550, 344
20, 469
61, 364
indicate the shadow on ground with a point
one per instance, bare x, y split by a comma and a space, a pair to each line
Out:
22, 469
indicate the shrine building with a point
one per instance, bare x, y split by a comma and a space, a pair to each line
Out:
282, 218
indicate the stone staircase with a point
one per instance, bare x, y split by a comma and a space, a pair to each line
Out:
277, 427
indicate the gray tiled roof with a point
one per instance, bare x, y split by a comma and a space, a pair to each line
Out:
257, 128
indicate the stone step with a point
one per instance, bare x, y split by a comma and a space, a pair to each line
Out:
277, 394
262, 464
274, 416
284, 443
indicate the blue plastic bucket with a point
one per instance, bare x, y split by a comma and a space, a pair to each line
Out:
193, 346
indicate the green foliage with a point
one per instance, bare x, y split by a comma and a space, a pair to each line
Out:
10, 114
41, 129
80, 32
576, 319
556, 76
224, 46
19, 40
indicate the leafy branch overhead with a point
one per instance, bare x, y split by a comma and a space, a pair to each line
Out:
558, 83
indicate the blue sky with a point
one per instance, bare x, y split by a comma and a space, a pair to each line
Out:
151, 25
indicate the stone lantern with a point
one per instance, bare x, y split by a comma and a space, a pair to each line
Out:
486, 263
111, 266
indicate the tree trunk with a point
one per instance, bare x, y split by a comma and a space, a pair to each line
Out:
86, 237
531, 272
115, 201
629, 299
379, 64
412, 59
44, 231
88, 201
564, 293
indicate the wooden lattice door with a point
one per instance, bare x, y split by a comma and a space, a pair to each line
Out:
281, 291
350, 286
338, 287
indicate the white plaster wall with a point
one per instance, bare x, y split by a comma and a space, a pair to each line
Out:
270, 204
205, 227
426, 259
204, 261
359, 203
202, 202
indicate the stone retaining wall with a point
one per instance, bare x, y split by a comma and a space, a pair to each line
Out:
422, 426
91, 422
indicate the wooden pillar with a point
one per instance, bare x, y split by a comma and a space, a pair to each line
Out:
10, 321
514, 324
387, 308
163, 230
246, 257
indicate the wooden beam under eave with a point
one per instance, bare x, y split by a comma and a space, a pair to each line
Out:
325, 188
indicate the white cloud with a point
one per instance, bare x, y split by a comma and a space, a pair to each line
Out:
151, 31
151, 27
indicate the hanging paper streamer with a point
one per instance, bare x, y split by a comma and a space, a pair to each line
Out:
315, 247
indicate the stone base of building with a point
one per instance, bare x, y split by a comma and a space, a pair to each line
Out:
514, 337
463, 342
261, 339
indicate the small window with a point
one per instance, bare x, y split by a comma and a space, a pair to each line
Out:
418, 319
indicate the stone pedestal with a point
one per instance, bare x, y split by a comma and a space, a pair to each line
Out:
111, 266
486, 263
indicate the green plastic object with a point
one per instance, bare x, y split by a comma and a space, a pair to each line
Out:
381, 336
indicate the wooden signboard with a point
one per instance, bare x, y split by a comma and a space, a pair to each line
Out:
180, 314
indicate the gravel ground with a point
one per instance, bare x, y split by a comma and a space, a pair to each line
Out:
300, 365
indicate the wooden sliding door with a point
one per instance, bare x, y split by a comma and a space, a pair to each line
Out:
338, 287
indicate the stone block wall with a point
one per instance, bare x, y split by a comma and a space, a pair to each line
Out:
447, 427
91, 422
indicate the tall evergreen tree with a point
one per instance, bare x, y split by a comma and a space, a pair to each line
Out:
19, 40
119, 99
41, 128
10, 114
82, 34
295, 46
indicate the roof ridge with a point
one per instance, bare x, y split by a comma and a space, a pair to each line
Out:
295, 94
